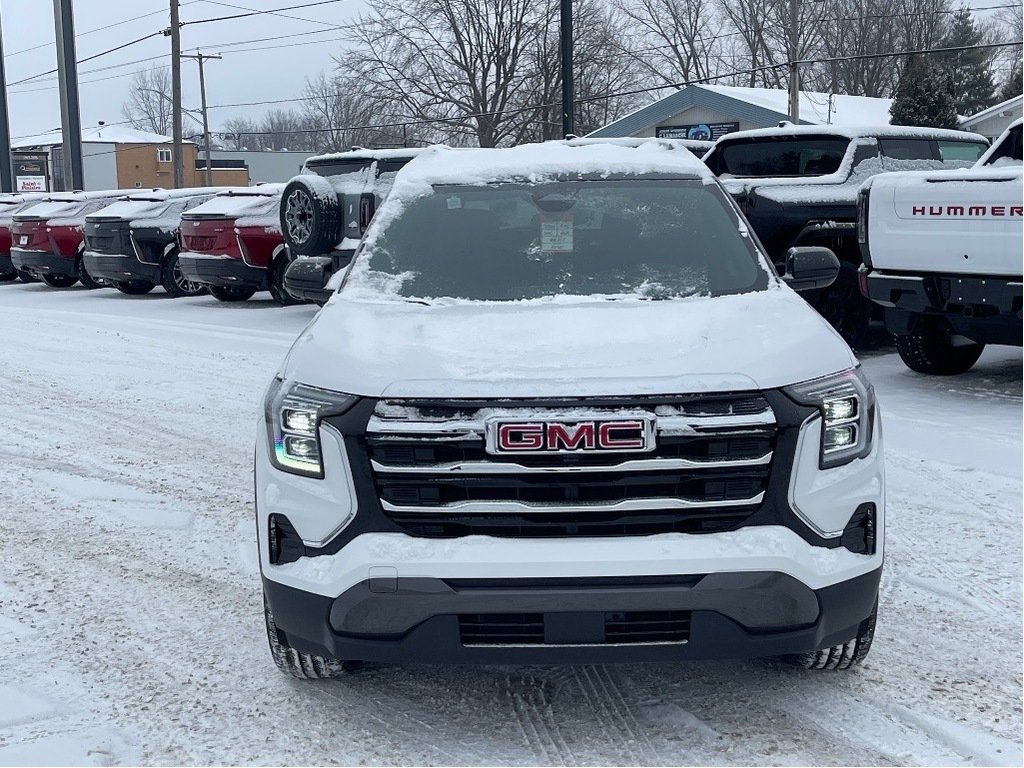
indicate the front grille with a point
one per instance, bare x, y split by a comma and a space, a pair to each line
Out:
620, 628
708, 471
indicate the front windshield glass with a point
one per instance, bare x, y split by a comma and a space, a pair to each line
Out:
504, 242
760, 158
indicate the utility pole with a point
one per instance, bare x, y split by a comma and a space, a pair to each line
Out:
568, 91
206, 122
175, 34
794, 70
6, 175
67, 79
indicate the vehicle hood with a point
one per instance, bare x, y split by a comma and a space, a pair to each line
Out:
562, 347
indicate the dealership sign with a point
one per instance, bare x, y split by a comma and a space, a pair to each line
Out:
697, 131
30, 172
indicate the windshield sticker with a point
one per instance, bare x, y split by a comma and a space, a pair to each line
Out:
556, 234
454, 203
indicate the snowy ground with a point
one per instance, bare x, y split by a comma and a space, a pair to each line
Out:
130, 617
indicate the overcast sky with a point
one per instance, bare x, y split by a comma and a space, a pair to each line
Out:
250, 71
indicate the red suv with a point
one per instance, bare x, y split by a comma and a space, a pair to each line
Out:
10, 204
233, 244
47, 238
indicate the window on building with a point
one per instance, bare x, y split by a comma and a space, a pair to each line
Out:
163, 155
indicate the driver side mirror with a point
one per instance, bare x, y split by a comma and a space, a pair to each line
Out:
810, 267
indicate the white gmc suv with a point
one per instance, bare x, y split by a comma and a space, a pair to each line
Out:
562, 409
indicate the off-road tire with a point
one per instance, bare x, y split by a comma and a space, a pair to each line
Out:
60, 281
134, 287
844, 306
843, 656
311, 217
231, 293
929, 350
304, 666
275, 283
88, 281
173, 282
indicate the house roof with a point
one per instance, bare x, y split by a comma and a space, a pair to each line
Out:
1016, 103
764, 106
100, 134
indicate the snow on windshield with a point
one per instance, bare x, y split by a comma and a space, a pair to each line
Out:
514, 242
237, 204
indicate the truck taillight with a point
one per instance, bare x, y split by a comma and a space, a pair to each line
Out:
862, 217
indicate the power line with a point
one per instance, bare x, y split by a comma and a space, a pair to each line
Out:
260, 13
272, 13
90, 58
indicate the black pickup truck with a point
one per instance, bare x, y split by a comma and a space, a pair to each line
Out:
797, 186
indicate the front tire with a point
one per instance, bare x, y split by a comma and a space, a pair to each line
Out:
60, 281
844, 306
174, 282
134, 287
304, 666
929, 349
231, 293
843, 656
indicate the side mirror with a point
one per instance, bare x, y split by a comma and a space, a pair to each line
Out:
810, 267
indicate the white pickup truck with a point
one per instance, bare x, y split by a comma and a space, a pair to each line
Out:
942, 255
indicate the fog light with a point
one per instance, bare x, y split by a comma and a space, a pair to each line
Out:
300, 447
837, 438
840, 409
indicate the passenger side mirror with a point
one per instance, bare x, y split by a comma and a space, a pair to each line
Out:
810, 267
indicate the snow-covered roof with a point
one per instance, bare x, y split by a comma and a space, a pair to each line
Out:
173, 194
536, 162
814, 107
100, 134
1010, 105
764, 106
238, 201
854, 132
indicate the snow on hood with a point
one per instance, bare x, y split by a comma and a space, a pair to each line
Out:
567, 346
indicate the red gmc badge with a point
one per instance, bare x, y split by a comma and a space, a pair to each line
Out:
570, 436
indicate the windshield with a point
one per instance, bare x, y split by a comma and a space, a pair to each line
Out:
504, 242
797, 156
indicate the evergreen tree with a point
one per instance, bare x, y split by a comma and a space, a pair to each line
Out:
923, 96
1013, 85
970, 71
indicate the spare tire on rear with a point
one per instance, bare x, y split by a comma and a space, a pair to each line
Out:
310, 216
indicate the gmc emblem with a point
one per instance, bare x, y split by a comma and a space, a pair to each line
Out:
610, 436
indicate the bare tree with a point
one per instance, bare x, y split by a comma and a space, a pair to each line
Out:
749, 44
457, 61
673, 40
148, 106
342, 113
241, 133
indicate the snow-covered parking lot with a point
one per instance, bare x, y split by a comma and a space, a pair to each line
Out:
130, 615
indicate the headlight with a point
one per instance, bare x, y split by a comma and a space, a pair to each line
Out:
293, 414
847, 405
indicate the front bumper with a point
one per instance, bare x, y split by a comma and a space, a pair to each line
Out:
984, 309
120, 267
571, 620
222, 271
39, 263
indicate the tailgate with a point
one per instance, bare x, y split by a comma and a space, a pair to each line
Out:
952, 225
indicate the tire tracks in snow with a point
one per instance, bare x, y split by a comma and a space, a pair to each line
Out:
604, 696
531, 705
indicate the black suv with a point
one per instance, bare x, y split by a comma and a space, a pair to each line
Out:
326, 209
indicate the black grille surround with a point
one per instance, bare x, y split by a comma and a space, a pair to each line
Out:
612, 628
371, 517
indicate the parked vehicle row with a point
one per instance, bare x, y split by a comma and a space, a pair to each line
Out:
224, 241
